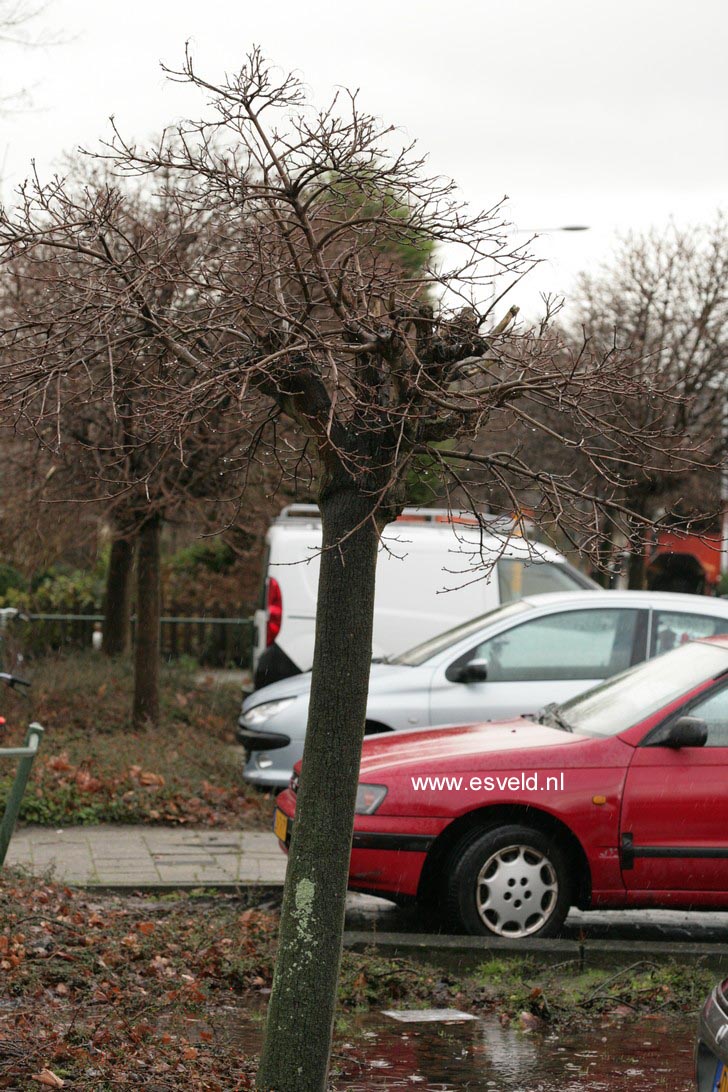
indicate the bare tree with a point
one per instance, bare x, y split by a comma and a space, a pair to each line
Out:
101, 433
19, 26
662, 302
301, 311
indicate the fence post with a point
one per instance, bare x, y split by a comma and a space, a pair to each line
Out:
25, 754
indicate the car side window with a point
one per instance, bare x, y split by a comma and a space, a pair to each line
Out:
673, 628
583, 644
714, 711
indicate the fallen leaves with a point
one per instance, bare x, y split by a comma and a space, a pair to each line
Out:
48, 1078
107, 990
146, 777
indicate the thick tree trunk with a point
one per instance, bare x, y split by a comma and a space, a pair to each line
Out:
148, 611
301, 1011
117, 601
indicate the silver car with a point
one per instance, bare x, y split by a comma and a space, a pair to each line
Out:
711, 1054
514, 660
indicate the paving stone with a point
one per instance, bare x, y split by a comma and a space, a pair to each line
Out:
129, 856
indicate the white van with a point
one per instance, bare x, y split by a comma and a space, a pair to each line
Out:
429, 579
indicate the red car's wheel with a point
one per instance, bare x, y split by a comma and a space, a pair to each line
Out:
509, 882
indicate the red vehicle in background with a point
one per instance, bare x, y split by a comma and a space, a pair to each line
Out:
614, 799
677, 561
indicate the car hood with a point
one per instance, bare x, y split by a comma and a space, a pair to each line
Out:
384, 677
461, 745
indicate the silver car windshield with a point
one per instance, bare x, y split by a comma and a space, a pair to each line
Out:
417, 655
636, 694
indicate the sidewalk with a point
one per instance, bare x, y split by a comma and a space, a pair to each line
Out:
148, 857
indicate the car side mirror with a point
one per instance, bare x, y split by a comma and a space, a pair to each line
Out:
473, 672
683, 732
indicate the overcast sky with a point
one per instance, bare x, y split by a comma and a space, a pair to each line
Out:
611, 114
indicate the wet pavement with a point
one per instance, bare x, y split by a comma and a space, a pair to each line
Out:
365, 913
374, 1052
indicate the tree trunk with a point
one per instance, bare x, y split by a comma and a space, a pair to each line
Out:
297, 1044
148, 611
117, 601
636, 570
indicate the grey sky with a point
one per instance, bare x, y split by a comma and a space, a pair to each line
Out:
607, 114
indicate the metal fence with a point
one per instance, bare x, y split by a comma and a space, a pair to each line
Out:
214, 642
25, 756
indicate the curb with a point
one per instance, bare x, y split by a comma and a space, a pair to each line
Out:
461, 951
264, 890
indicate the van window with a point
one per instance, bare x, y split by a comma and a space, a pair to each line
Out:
519, 577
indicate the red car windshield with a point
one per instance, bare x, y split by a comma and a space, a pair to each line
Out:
634, 695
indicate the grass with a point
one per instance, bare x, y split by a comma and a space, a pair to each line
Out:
93, 767
564, 993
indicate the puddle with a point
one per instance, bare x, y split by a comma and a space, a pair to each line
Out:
637, 1057
377, 1053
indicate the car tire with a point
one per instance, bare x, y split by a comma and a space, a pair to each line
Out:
510, 882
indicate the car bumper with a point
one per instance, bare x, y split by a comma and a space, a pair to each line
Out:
272, 769
384, 861
712, 1047
256, 739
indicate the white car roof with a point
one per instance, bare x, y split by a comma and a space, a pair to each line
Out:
658, 600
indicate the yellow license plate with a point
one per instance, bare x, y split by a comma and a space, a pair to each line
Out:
280, 825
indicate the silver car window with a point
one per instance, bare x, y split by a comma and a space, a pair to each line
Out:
673, 628
577, 644
417, 655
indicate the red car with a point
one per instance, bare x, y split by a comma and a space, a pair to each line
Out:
618, 798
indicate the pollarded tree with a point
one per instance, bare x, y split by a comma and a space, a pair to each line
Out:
301, 311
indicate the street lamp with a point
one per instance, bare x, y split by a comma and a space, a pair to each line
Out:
549, 231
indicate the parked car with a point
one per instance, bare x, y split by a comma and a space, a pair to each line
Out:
514, 660
613, 799
424, 552
711, 1054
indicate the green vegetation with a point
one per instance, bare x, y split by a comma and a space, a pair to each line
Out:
94, 768
212, 555
60, 589
566, 993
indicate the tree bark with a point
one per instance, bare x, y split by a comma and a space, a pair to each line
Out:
296, 1051
148, 612
636, 569
117, 601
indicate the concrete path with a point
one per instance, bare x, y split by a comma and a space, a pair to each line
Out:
147, 857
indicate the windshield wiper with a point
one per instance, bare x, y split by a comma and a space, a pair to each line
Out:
552, 713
